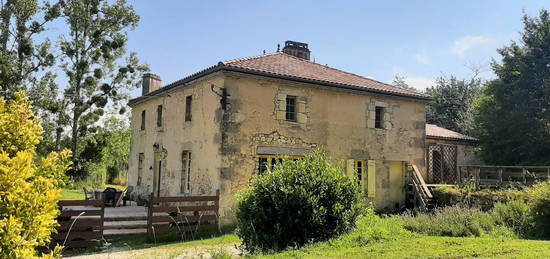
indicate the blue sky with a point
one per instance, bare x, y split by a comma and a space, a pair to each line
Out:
417, 39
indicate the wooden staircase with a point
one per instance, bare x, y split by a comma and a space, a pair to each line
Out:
419, 195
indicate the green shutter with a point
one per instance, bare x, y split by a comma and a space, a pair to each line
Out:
371, 179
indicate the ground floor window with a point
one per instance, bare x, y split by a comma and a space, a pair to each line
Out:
141, 158
185, 180
266, 162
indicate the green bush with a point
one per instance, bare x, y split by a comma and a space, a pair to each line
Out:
516, 215
301, 201
454, 222
539, 201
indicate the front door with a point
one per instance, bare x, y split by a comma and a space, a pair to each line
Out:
157, 174
397, 183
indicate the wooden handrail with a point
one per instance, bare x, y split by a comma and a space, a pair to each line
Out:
422, 182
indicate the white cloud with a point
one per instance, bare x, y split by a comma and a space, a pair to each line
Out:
422, 59
420, 83
461, 46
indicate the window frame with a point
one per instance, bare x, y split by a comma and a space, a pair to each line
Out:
272, 160
141, 160
379, 117
291, 116
185, 177
188, 108
159, 116
143, 117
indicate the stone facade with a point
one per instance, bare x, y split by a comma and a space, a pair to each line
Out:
226, 144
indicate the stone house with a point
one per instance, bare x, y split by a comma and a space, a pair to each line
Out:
215, 129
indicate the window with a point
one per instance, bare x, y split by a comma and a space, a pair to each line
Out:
359, 171
185, 181
291, 108
159, 116
269, 162
141, 157
378, 120
143, 120
188, 101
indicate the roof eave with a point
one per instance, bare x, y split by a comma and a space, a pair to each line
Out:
221, 66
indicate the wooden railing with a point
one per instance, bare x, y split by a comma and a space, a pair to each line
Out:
182, 214
483, 176
80, 224
422, 193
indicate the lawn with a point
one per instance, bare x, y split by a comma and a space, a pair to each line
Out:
374, 237
78, 193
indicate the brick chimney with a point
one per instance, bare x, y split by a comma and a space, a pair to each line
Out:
149, 83
297, 49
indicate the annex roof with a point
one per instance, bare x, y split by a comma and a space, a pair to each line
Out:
436, 132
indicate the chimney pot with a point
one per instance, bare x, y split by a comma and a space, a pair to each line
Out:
150, 82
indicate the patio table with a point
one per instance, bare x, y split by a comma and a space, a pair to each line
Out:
97, 194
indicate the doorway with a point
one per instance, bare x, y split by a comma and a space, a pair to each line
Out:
157, 174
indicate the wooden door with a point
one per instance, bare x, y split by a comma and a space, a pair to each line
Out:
157, 174
397, 183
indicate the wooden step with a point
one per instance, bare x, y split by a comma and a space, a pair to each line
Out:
136, 226
129, 218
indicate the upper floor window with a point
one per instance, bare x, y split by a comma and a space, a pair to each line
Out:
188, 101
291, 108
379, 117
159, 116
142, 120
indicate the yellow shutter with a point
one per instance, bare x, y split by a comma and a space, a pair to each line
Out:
371, 179
350, 168
363, 176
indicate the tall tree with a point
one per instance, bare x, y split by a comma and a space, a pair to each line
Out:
451, 103
21, 21
96, 63
513, 115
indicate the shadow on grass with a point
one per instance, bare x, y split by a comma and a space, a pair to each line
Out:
131, 242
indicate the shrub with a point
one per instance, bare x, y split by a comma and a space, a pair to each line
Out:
29, 187
539, 201
484, 200
516, 215
301, 201
451, 221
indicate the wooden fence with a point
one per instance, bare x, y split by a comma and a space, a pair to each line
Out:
502, 176
80, 223
182, 214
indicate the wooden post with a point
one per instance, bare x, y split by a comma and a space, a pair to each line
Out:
500, 181
524, 173
548, 176
150, 217
102, 225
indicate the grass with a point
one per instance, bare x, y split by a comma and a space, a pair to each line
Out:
78, 193
374, 237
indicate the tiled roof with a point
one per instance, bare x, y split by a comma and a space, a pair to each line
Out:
287, 65
281, 65
436, 132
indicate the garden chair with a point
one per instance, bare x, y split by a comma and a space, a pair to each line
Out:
88, 195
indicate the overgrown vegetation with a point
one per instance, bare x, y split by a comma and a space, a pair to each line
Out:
29, 185
300, 202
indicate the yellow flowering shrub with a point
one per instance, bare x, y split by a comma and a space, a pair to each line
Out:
29, 186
